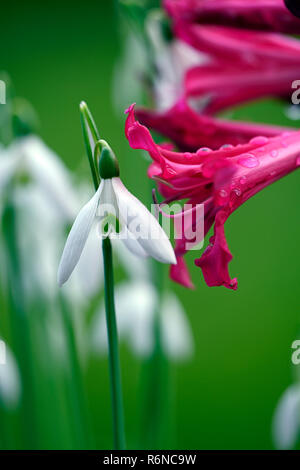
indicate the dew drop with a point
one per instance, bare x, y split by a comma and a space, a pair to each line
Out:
204, 149
248, 161
237, 192
226, 146
243, 180
298, 161
274, 153
223, 193
259, 140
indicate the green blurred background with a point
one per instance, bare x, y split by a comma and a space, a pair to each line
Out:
224, 398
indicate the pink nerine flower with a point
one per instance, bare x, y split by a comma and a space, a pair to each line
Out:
268, 15
244, 65
190, 130
221, 180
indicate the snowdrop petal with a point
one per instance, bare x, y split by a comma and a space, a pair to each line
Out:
149, 233
286, 423
137, 268
177, 335
51, 174
10, 384
135, 305
132, 244
77, 238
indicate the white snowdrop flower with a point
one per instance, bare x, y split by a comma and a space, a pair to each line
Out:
137, 304
141, 232
286, 422
10, 384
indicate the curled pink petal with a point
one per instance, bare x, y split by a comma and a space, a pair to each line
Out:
215, 259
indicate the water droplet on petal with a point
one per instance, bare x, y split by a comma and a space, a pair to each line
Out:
273, 173
203, 149
237, 191
259, 140
223, 193
248, 161
274, 153
226, 146
298, 161
243, 180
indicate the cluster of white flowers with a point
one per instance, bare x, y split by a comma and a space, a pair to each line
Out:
43, 194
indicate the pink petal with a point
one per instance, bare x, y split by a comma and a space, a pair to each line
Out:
215, 259
180, 274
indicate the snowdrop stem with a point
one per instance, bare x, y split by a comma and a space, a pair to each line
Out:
113, 349
90, 134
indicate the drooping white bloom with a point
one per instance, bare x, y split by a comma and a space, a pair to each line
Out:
137, 304
177, 335
141, 232
286, 422
10, 384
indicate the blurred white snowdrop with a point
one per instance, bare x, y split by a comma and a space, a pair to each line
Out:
172, 59
29, 157
286, 422
128, 70
137, 304
10, 384
46, 202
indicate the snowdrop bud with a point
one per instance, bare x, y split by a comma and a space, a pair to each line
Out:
108, 163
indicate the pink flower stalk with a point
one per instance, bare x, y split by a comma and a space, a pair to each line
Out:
190, 130
268, 15
222, 180
245, 65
